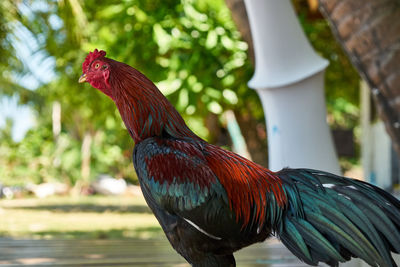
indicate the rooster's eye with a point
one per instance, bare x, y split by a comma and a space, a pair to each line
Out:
97, 66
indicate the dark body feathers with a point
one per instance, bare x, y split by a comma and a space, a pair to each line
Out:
194, 213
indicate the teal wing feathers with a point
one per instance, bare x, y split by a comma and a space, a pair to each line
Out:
176, 174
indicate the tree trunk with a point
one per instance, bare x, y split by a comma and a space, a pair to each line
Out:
86, 154
56, 119
369, 31
84, 180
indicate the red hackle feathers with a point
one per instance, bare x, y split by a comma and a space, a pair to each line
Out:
247, 184
90, 57
152, 114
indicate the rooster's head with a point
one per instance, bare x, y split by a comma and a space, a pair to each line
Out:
96, 71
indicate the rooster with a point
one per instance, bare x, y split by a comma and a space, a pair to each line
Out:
211, 202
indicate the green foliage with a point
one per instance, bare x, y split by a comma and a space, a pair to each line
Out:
34, 156
10, 65
341, 79
38, 158
191, 49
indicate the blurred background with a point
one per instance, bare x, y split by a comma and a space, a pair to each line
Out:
55, 130
65, 155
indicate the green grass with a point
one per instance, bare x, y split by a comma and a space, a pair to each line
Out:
78, 217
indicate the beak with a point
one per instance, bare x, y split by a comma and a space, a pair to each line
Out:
82, 79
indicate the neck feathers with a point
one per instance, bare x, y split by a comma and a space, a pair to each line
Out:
145, 111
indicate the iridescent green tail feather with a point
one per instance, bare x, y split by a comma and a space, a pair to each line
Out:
331, 219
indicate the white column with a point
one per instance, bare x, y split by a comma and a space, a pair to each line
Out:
375, 144
289, 78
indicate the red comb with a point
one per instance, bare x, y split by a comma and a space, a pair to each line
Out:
90, 57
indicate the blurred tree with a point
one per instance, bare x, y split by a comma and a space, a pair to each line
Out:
11, 67
191, 49
239, 16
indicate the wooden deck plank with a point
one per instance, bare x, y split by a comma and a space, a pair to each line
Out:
125, 253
